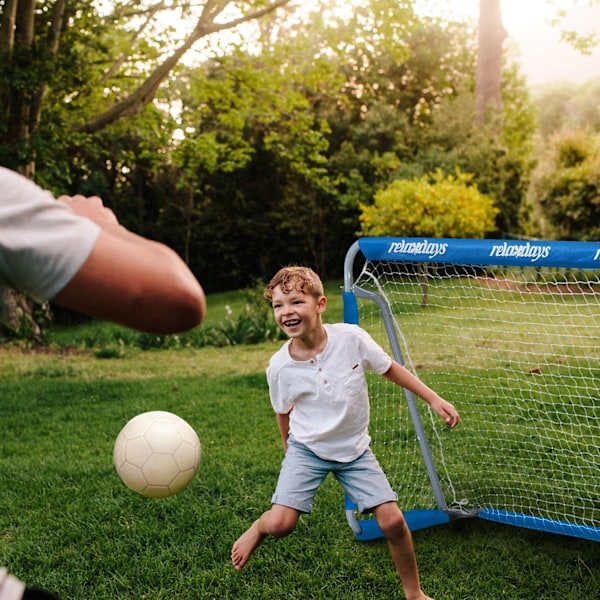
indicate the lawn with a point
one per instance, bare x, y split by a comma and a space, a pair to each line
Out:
68, 524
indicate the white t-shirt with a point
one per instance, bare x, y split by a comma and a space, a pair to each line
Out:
42, 242
329, 394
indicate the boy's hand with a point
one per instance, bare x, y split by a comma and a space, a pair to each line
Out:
447, 412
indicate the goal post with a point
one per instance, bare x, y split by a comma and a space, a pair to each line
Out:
509, 332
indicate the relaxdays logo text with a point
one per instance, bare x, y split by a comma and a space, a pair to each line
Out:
425, 247
530, 251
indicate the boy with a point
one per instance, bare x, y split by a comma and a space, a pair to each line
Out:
319, 393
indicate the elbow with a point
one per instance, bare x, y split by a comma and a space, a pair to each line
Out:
182, 308
188, 310
193, 310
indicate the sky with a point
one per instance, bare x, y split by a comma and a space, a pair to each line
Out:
542, 56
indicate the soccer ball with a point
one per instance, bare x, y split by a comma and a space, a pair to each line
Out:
157, 454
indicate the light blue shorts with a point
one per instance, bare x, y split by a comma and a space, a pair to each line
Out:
302, 472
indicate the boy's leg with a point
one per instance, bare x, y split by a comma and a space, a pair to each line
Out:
278, 522
301, 474
393, 525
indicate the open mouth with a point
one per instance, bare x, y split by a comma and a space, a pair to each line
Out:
293, 323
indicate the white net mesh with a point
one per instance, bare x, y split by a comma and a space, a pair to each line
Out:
517, 350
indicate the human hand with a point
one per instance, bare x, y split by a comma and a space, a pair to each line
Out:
91, 208
447, 412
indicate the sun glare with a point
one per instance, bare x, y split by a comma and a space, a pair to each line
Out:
543, 55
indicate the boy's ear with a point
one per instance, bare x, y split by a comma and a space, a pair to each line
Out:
321, 304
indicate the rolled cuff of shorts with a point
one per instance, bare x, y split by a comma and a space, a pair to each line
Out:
367, 506
288, 502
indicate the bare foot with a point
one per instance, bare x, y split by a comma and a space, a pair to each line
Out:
245, 545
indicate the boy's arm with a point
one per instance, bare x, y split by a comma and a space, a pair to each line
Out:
403, 377
283, 421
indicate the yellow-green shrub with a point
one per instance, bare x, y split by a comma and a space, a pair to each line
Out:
436, 205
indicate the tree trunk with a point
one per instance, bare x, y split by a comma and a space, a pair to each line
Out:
16, 312
488, 82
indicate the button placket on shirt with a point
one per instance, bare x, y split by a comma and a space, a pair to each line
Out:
322, 375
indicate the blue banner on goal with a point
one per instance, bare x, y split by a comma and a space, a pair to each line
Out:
518, 253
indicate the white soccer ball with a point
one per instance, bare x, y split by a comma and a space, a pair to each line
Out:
157, 454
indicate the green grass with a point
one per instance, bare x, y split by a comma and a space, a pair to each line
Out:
67, 523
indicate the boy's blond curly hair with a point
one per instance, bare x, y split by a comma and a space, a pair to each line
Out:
302, 279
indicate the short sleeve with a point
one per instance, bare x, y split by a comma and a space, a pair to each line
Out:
375, 358
280, 389
43, 244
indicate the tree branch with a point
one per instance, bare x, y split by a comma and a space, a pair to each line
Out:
145, 93
110, 72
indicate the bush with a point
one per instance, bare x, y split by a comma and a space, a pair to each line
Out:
566, 187
431, 206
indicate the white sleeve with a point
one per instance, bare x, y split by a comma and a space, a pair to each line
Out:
42, 242
279, 390
375, 358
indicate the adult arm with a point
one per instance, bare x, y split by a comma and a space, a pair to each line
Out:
404, 378
131, 280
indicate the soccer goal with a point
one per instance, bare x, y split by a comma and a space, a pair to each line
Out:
509, 332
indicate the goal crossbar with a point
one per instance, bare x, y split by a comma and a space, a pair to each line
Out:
508, 331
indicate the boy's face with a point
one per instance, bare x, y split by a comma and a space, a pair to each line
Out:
297, 314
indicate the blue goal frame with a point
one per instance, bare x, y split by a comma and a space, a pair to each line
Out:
491, 252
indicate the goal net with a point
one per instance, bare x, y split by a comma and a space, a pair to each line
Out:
509, 332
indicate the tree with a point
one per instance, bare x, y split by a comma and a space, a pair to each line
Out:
65, 67
584, 42
566, 187
277, 138
568, 106
432, 206
491, 36
263, 187
37, 53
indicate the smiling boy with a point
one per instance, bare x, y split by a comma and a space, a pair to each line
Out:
319, 393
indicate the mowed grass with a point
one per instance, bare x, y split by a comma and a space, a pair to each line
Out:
68, 524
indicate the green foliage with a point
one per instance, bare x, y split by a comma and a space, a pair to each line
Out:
249, 327
583, 42
239, 317
247, 319
566, 187
563, 106
419, 116
110, 352
430, 206
390, 106
261, 152
29, 322
497, 153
